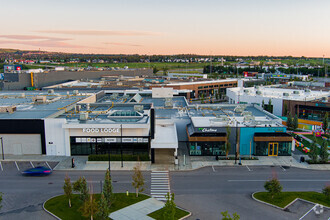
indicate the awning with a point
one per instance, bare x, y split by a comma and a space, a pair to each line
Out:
272, 137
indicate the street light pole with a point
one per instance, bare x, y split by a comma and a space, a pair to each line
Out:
3, 155
121, 144
109, 156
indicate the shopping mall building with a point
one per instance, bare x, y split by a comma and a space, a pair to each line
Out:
134, 122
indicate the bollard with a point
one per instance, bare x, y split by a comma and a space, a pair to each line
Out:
126, 192
184, 160
72, 163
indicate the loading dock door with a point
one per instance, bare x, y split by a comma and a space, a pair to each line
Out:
21, 144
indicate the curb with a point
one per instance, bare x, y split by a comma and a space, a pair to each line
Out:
283, 209
184, 217
266, 203
50, 213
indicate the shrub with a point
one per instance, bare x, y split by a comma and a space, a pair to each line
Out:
117, 157
326, 191
273, 186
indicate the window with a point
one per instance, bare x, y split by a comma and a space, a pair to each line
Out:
205, 87
216, 86
200, 87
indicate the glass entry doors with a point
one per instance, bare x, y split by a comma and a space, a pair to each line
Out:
272, 149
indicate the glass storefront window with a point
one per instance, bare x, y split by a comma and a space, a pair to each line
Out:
104, 148
206, 148
280, 148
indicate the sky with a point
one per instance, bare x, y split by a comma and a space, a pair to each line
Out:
205, 27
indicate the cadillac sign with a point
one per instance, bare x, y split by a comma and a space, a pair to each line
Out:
100, 130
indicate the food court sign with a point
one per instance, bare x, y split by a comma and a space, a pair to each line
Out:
100, 130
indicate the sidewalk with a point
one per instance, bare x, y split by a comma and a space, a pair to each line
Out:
138, 211
186, 163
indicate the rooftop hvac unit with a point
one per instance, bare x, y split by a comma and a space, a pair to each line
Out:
22, 95
286, 94
7, 109
83, 116
75, 92
119, 84
50, 91
39, 99
138, 108
296, 92
246, 91
257, 87
77, 107
307, 90
168, 102
258, 92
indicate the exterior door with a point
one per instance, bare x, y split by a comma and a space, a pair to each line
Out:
273, 149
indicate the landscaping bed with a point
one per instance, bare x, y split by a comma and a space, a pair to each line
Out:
118, 157
59, 205
242, 158
179, 213
285, 198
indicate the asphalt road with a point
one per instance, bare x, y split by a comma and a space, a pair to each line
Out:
205, 192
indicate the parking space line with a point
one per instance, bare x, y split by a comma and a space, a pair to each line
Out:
283, 168
48, 165
308, 212
248, 168
1, 166
16, 165
31, 164
213, 168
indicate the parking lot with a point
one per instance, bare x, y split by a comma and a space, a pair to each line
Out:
19, 166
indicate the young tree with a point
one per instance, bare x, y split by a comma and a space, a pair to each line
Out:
107, 189
295, 122
313, 151
68, 188
169, 207
289, 121
269, 106
226, 216
324, 155
89, 208
325, 123
81, 186
227, 145
104, 209
138, 179
285, 109
326, 191
165, 70
273, 187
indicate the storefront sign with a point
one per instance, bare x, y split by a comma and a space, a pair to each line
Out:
207, 130
100, 130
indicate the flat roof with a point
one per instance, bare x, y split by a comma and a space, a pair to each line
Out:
27, 109
168, 141
281, 93
201, 82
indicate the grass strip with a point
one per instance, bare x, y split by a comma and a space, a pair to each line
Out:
284, 198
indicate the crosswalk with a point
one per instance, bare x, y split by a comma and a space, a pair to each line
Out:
160, 184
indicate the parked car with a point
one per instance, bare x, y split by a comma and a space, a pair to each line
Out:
37, 171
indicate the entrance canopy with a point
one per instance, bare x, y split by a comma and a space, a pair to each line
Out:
165, 135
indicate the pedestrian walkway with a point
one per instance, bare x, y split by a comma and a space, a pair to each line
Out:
160, 184
138, 211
